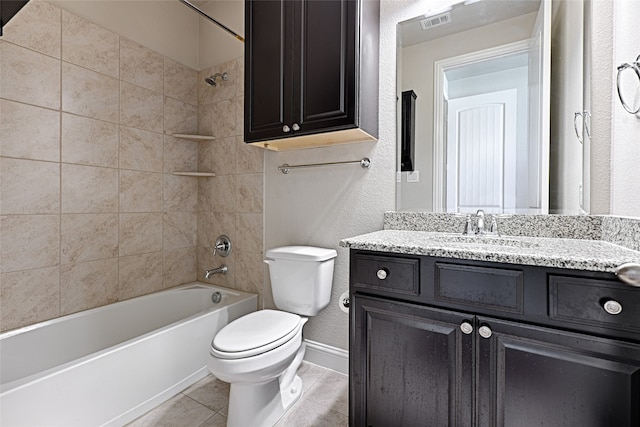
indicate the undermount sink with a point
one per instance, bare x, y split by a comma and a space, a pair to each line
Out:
482, 240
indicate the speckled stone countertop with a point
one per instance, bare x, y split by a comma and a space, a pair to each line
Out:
570, 253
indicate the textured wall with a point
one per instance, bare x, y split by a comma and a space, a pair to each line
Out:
625, 151
89, 210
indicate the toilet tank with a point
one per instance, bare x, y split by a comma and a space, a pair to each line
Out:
301, 278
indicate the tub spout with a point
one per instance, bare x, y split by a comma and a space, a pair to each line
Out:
220, 270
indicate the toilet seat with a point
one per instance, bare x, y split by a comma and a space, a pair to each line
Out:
255, 333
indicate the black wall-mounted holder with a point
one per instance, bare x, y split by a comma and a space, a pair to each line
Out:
407, 158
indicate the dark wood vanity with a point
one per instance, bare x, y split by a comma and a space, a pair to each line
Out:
453, 342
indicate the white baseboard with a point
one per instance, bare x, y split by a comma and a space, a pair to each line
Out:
327, 356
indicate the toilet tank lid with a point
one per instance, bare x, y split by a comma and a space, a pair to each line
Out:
301, 253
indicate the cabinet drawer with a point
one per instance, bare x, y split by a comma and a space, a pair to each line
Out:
496, 289
397, 275
582, 301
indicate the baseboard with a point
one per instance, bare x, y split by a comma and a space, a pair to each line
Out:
327, 356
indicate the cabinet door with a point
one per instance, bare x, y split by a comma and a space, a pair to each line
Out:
532, 376
324, 61
410, 365
268, 61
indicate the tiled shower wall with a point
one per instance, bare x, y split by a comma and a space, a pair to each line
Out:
90, 213
232, 202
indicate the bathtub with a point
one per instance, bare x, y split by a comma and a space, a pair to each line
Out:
109, 365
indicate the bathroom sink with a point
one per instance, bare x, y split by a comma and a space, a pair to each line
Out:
480, 240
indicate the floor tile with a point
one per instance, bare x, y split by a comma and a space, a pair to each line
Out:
210, 392
331, 391
178, 411
308, 413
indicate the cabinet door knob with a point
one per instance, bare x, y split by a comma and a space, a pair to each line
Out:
286, 128
466, 328
295, 127
485, 331
612, 307
382, 273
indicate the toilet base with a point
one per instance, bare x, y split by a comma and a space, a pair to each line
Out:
263, 404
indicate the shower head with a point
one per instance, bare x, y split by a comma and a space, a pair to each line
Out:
211, 80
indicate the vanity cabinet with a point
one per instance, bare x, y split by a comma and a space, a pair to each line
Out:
442, 342
311, 67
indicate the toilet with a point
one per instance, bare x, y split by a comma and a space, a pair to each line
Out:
259, 353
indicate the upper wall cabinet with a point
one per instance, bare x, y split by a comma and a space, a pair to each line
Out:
8, 8
311, 72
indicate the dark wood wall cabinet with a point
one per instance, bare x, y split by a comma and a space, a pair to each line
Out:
443, 342
311, 72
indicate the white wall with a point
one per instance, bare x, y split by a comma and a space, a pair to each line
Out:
216, 46
625, 135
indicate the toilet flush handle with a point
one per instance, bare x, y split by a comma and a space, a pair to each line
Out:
269, 261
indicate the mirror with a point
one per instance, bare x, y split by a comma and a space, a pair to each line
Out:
490, 108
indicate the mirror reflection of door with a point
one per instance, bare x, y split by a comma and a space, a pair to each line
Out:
481, 167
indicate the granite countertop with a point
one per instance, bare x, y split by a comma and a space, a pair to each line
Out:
579, 254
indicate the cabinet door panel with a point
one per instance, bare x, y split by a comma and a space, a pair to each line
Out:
411, 366
268, 57
324, 85
531, 376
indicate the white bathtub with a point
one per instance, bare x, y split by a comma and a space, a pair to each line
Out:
109, 365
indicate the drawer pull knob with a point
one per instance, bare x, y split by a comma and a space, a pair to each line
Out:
485, 331
613, 307
286, 129
382, 273
629, 273
466, 328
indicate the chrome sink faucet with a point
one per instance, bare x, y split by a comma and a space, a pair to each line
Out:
480, 227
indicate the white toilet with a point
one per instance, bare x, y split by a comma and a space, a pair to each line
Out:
260, 353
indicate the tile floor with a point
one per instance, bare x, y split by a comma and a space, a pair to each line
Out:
324, 403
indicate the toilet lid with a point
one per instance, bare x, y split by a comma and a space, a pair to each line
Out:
255, 333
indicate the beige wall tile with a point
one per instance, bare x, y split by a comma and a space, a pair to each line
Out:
28, 76
180, 155
89, 189
87, 285
88, 237
180, 193
179, 266
89, 142
223, 196
205, 92
213, 224
140, 191
141, 66
29, 241
249, 232
240, 85
218, 156
90, 94
28, 297
224, 119
141, 149
89, 45
180, 230
179, 117
180, 82
36, 27
249, 272
139, 275
29, 187
205, 119
249, 158
29, 132
140, 233
141, 108
249, 197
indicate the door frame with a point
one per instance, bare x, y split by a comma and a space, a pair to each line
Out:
440, 109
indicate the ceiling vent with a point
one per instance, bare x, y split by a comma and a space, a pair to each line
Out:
435, 21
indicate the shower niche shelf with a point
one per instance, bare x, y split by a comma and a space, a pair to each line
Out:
192, 137
196, 174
